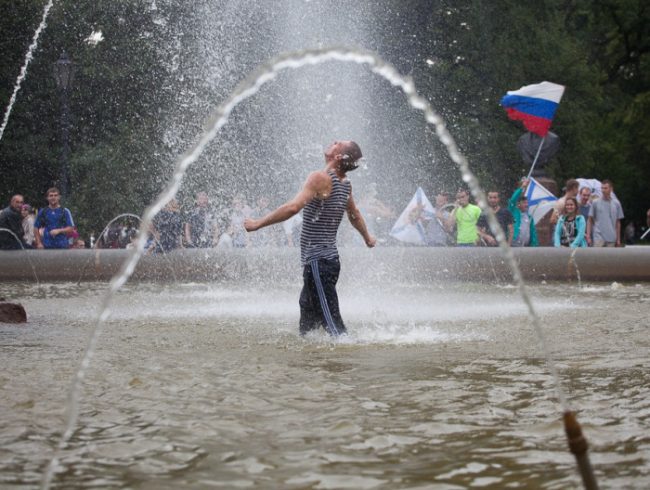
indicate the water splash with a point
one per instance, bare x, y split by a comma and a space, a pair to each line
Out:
244, 90
119, 216
572, 260
22, 246
23, 71
105, 230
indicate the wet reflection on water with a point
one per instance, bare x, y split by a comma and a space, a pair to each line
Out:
198, 386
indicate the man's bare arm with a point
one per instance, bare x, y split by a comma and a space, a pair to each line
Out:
357, 221
315, 185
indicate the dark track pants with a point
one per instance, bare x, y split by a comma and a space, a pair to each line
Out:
319, 303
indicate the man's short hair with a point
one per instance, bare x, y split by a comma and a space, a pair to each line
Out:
52, 189
522, 198
608, 182
444, 194
572, 184
353, 150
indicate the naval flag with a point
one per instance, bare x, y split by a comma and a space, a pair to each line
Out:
410, 226
540, 200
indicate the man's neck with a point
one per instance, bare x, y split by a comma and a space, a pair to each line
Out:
54, 206
333, 165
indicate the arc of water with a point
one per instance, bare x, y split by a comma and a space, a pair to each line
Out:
245, 89
119, 216
22, 246
123, 215
23, 71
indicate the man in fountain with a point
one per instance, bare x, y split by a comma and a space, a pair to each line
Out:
53, 223
325, 196
11, 223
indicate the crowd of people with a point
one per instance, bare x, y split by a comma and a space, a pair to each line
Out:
579, 218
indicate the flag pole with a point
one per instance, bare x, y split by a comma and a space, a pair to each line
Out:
644, 235
541, 143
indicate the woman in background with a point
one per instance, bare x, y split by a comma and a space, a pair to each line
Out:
28, 224
570, 228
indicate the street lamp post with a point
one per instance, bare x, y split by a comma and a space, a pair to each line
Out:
63, 73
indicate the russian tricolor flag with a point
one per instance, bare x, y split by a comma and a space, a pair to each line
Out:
534, 105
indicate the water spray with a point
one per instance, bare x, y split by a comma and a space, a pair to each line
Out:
244, 90
22, 247
23, 71
105, 230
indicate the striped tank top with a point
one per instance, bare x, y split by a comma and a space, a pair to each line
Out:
320, 222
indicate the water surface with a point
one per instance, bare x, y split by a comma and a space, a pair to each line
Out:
438, 386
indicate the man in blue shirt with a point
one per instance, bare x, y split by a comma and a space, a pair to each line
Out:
54, 223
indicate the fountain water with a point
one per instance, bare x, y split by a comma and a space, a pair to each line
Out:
103, 233
22, 247
253, 466
23, 71
217, 120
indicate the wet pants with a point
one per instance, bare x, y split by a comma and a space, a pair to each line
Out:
319, 303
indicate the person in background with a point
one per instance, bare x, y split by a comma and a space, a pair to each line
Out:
240, 211
168, 228
375, 212
604, 224
292, 228
571, 190
571, 227
504, 217
464, 217
200, 227
11, 219
267, 236
435, 231
53, 223
584, 205
28, 224
629, 233
524, 233
79, 244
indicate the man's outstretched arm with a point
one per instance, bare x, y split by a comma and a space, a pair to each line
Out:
356, 219
313, 186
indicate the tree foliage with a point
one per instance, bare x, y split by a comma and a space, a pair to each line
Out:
462, 54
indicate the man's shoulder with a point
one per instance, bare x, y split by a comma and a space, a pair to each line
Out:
318, 181
319, 175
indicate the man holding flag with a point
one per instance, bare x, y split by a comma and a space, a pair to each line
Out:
535, 106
